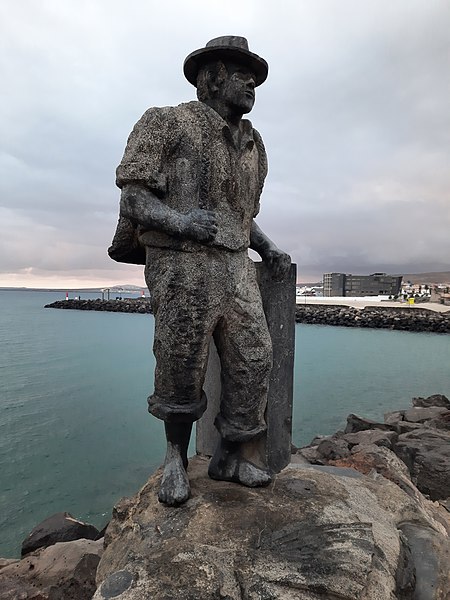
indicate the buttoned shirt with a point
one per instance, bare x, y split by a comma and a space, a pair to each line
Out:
186, 155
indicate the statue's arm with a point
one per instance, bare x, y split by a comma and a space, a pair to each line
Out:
144, 187
139, 204
278, 261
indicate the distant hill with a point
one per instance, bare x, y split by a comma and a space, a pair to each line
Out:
434, 277
113, 288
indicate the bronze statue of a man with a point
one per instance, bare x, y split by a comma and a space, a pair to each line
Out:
191, 179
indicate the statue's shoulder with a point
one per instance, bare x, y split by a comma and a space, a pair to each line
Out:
168, 116
157, 114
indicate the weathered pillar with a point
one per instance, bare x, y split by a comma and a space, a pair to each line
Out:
274, 449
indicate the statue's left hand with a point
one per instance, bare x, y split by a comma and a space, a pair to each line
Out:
278, 262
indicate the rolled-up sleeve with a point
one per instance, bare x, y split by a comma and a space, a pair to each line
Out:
142, 159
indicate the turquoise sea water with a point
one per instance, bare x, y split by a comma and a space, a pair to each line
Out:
75, 434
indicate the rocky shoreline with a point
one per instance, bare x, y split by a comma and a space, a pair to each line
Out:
379, 317
358, 515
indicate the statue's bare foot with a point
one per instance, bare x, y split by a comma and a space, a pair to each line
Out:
239, 470
175, 487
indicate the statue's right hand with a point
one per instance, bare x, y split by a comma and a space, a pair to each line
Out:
200, 225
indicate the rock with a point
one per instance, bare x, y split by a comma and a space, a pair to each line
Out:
298, 459
426, 452
355, 424
316, 440
64, 571
377, 437
314, 532
333, 448
5, 562
430, 554
441, 422
60, 527
405, 426
379, 459
434, 400
420, 415
311, 454
392, 418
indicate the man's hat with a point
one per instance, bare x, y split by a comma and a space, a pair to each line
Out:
230, 47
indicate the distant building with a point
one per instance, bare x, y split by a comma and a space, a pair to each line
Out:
377, 284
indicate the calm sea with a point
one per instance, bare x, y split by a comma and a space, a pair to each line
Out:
75, 434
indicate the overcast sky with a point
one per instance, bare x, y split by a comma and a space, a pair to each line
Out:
355, 116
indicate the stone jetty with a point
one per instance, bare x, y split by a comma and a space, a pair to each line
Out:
126, 305
377, 317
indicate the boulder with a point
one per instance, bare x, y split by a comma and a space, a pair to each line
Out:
60, 527
440, 422
370, 459
406, 426
315, 532
392, 418
312, 455
333, 448
64, 571
355, 424
316, 440
420, 415
426, 452
375, 436
434, 400
5, 562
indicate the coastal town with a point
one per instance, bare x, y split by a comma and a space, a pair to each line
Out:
432, 289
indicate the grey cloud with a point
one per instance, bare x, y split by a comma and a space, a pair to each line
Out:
354, 116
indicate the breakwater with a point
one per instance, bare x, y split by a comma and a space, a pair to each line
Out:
378, 317
127, 305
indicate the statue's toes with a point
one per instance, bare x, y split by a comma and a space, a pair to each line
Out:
173, 499
252, 476
174, 490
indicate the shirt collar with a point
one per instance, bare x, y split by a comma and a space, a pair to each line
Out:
245, 126
246, 130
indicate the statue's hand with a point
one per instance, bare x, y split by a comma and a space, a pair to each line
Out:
278, 262
200, 225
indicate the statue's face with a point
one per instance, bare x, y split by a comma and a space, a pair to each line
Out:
238, 89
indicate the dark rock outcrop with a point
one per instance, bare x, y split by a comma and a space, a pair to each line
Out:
60, 527
378, 317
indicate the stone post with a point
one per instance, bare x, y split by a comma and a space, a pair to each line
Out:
274, 449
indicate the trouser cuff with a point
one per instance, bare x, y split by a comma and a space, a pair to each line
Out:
234, 434
172, 412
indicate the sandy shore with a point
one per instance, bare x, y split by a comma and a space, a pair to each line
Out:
362, 302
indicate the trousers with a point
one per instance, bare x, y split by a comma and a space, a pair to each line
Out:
195, 296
